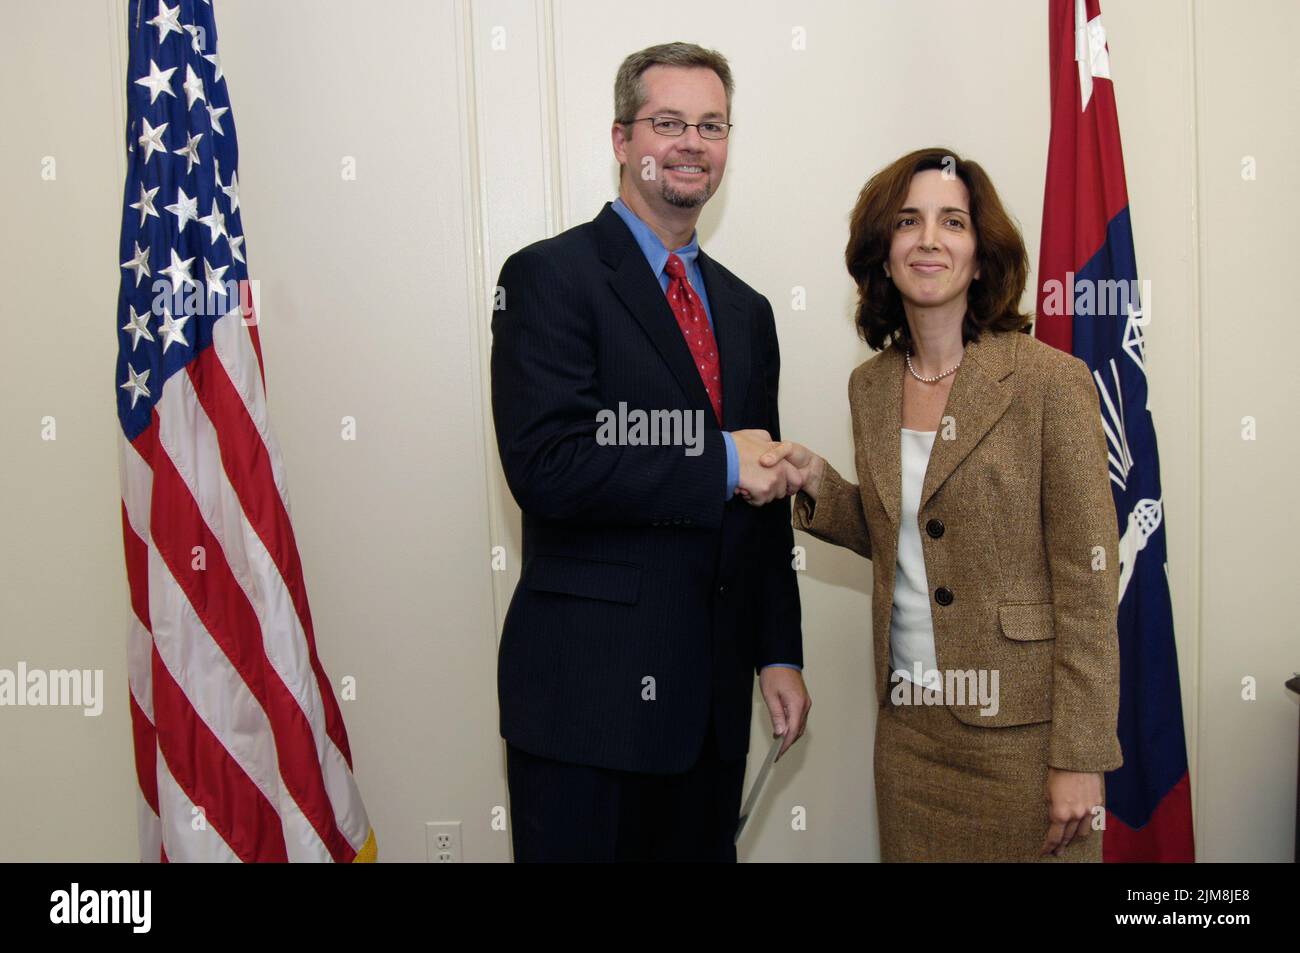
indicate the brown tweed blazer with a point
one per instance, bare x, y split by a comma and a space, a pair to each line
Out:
1017, 523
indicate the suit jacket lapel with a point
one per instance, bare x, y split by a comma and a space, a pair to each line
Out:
977, 401
879, 417
731, 331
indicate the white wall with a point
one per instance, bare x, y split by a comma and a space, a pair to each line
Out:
477, 128
1248, 337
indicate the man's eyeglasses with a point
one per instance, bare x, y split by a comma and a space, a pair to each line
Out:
667, 126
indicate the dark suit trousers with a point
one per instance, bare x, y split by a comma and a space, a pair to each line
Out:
562, 812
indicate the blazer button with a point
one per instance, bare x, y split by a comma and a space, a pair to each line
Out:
943, 596
934, 528
722, 591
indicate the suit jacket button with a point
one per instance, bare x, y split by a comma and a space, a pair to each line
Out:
934, 528
943, 596
722, 591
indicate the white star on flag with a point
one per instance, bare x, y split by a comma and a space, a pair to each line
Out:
166, 20
145, 205
157, 82
190, 151
185, 209
212, 278
193, 87
140, 263
151, 139
179, 272
232, 191
136, 384
215, 60
173, 329
216, 222
214, 117
138, 326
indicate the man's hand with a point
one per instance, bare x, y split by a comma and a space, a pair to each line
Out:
807, 464
761, 484
1072, 795
787, 702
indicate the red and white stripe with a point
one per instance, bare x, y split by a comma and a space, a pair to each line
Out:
241, 751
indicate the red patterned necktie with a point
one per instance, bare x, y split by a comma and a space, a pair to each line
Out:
694, 322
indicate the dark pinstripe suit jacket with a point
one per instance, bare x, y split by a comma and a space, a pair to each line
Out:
645, 598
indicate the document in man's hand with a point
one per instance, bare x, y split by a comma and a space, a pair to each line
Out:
750, 801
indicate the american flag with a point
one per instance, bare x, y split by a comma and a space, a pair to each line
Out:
240, 748
1087, 254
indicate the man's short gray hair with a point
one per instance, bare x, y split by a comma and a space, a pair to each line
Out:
629, 94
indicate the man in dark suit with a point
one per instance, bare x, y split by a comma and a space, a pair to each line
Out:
657, 572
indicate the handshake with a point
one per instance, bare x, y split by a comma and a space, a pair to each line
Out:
771, 470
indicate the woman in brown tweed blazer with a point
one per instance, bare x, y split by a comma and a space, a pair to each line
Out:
1010, 560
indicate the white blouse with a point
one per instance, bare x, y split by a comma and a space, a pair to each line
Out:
911, 632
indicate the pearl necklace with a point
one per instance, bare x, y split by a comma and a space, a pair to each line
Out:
938, 377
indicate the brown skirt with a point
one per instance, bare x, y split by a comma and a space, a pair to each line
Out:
949, 791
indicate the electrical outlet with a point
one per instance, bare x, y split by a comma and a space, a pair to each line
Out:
442, 842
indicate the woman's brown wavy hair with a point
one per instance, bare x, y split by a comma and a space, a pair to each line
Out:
993, 301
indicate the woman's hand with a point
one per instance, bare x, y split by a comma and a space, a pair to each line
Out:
810, 466
1072, 796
